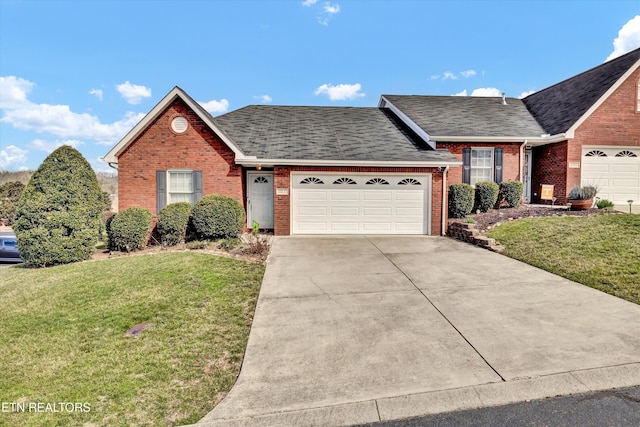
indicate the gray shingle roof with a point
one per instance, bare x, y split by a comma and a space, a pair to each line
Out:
325, 133
559, 107
468, 115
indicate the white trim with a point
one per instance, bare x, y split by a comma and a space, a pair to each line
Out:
385, 103
175, 93
493, 163
246, 161
534, 141
168, 191
570, 133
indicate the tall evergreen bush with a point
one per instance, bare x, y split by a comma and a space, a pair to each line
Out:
59, 214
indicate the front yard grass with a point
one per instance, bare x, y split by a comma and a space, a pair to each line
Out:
600, 251
63, 338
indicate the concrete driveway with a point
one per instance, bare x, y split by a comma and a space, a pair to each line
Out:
360, 329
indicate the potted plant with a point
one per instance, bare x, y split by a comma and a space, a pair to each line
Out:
581, 197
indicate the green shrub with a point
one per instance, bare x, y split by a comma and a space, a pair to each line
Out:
173, 220
605, 204
511, 193
129, 230
59, 214
10, 193
486, 195
460, 200
215, 217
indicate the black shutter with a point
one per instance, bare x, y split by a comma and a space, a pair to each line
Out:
498, 165
161, 189
197, 186
466, 165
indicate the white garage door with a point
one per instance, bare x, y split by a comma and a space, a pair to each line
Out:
360, 203
616, 170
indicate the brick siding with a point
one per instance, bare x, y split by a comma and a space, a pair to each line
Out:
159, 148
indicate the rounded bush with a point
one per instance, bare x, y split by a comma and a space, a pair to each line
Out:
486, 195
215, 216
460, 200
59, 214
511, 193
129, 230
173, 220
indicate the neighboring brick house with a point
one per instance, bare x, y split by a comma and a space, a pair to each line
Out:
385, 170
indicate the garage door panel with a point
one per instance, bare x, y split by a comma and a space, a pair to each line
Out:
372, 195
618, 177
366, 211
344, 195
397, 207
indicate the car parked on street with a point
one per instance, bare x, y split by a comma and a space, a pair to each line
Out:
9, 248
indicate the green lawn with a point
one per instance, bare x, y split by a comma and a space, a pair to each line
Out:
63, 337
601, 251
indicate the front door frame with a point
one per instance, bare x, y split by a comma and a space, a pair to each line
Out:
528, 162
251, 204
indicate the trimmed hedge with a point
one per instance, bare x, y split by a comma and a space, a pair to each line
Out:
216, 216
460, 200
173, 221
129, 230
59, 215
511, 193
486, 195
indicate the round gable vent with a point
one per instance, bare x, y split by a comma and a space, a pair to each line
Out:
179, 124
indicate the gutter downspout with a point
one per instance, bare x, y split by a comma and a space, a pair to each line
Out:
111, 165
444, 200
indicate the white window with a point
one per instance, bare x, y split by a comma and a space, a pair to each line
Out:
180, 188
481, 165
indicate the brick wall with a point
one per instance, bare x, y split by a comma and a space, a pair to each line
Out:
616, 121
550, 167
510, 160
282, 203
159, 148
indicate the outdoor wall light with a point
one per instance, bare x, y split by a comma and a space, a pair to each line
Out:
259, 167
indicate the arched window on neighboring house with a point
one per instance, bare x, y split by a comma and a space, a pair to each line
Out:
638, 93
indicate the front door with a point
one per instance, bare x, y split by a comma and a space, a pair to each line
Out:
260, 200
527, 176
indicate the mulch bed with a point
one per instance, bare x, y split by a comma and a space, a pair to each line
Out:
488, 220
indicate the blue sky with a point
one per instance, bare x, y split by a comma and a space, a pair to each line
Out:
83, 73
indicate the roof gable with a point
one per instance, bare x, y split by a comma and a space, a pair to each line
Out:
175, 93
562, 107
466, 116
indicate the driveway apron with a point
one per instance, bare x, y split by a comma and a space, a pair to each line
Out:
355, 329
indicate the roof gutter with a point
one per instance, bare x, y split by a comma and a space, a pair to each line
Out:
371, 163
535, 141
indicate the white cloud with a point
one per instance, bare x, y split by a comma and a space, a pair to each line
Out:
264, 98
435, 76
468, 73
13, 91
628, 38
50, 146
463, 93
214, 106
133, 94
58, 120
309, 2
486, 91
97, 92
340, 92
448, 75
526, 93
12, 156
331, 9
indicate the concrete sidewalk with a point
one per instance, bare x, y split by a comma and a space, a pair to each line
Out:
360, 329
